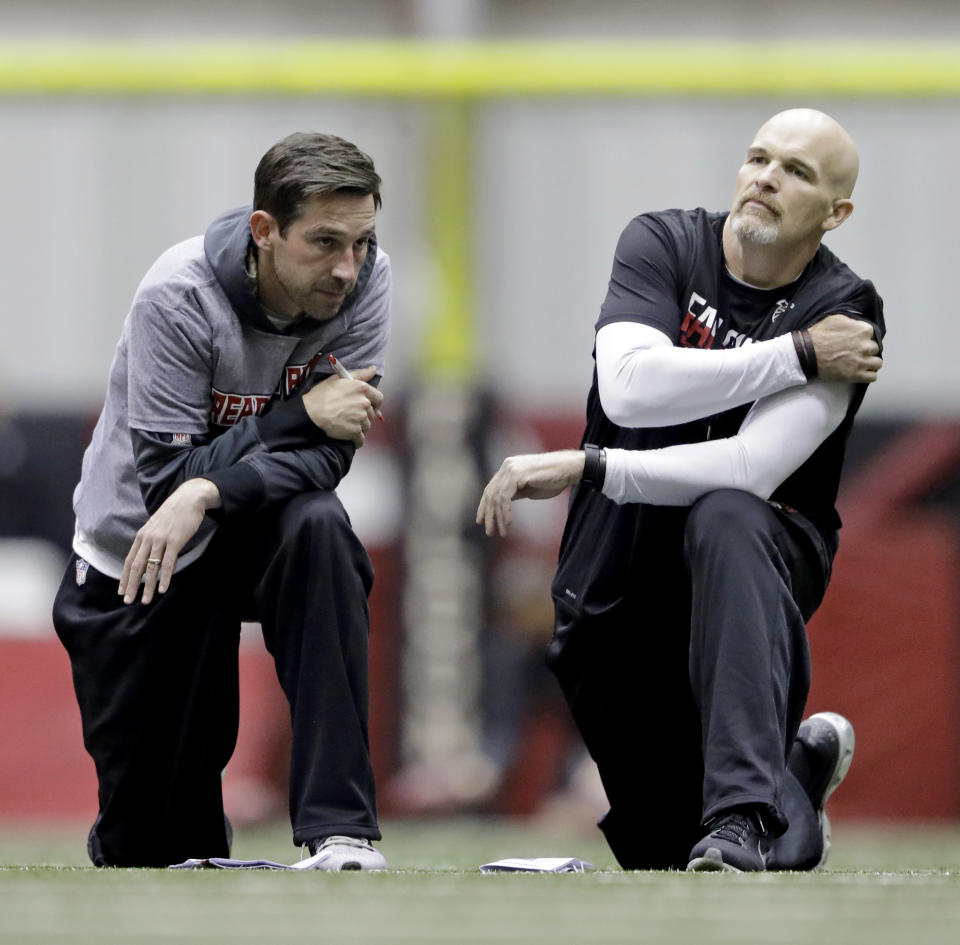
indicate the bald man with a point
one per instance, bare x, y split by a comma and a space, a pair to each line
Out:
732, 353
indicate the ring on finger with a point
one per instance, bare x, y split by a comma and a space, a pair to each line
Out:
154, 561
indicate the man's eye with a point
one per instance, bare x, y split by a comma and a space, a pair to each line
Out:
799, 172
363, 242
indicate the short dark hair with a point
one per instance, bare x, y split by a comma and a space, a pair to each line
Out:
305, 164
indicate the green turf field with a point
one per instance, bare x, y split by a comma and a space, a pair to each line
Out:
882, 886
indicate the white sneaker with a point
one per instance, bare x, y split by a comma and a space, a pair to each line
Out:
343, 853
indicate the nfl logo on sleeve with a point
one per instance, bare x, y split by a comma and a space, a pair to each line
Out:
81, 567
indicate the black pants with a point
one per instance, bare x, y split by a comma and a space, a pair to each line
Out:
157, 684
689, 690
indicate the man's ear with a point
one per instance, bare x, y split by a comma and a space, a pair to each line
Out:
264, 229
842, 208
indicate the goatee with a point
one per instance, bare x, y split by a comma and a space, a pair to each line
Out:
756, 231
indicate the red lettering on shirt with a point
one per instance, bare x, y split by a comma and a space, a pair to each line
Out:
291, 377
216, 408
695, 333
227, 409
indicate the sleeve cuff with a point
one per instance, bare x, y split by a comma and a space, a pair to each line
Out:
241, 489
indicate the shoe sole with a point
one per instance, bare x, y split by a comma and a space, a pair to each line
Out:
847, 742
328, 862
711, 862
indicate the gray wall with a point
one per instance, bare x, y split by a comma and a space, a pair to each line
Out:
846, 20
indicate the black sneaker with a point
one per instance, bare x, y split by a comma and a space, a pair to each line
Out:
819, 759
737, 843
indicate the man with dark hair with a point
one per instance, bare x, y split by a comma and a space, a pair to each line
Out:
732, 353
306, 164
208, 492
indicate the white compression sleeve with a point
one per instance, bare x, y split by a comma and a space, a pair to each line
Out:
778, 434
644, 381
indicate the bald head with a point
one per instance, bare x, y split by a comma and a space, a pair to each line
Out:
824, 139
793, 187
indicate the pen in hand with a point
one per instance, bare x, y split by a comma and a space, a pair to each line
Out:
343, 372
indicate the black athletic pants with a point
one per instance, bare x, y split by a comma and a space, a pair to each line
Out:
689, 691
157, 684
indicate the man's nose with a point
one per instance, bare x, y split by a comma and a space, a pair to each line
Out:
345, 265
768, 178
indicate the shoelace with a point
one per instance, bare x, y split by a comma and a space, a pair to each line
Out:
736, 826
340, 841
347, 842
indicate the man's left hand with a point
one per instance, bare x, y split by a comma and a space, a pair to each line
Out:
534, 476
154, 552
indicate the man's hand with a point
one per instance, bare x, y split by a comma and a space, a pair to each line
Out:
535, 476
154, 551
344, 408
846, 350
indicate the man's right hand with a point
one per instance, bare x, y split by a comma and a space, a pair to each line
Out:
535, 476
342, 408
157, 545
846, 350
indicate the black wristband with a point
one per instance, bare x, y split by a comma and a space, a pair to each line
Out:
594, 466
806, 353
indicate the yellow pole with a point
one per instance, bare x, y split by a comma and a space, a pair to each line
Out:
448, 346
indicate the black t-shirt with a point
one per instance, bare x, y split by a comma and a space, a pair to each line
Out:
669, 272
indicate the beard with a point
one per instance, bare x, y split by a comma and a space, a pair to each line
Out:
311, 304
754, 230
320, 309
